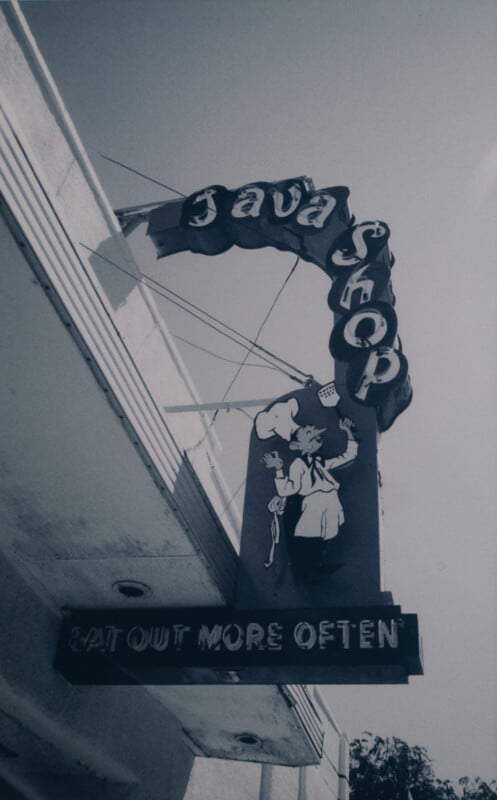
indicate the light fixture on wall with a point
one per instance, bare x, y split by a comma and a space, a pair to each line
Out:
132, 590
248, 739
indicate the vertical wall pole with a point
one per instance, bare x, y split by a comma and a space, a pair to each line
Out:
266, 782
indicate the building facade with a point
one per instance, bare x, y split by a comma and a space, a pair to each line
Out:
102, 508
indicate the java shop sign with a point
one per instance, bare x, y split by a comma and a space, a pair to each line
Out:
311, 519
289, 215
316, 225
217, 645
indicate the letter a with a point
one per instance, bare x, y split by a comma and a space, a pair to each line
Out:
248, 202
316, 213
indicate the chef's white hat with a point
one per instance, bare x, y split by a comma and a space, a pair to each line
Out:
278, 420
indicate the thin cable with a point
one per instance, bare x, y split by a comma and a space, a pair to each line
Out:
147, 177
199, 318
261, 326
254, 342
222, 358
139, 279
181, 194
242, 411
223, 512
159, 183
251, 342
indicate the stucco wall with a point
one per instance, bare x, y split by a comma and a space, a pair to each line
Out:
212, 779
49, 139
66, 450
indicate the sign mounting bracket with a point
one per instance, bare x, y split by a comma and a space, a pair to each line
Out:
217, 406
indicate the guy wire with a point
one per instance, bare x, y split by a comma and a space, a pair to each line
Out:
140, 279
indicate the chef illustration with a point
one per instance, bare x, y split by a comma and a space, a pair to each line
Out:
312, 478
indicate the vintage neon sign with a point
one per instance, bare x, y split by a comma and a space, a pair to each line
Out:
365, 332
289, 215
309, 601
317, 225
212, 645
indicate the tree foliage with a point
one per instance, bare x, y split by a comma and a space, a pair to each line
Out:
390, 769
477, 789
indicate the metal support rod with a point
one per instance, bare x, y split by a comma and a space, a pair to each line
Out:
130, 218
218, 406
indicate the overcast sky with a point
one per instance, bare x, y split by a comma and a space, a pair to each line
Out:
397, 100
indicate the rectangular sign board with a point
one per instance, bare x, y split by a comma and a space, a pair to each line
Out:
371, 644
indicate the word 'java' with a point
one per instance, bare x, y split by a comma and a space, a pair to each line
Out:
289, 215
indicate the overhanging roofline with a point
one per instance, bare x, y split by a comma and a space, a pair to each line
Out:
41, 224
68, 283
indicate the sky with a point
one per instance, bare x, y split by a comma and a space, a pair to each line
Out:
397, 100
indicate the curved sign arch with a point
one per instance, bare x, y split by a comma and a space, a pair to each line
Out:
316, 225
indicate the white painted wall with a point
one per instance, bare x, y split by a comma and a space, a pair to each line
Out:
212, 779
80, 508
32, 103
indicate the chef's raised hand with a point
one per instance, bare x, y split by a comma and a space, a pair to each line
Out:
272, 460
348, 426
